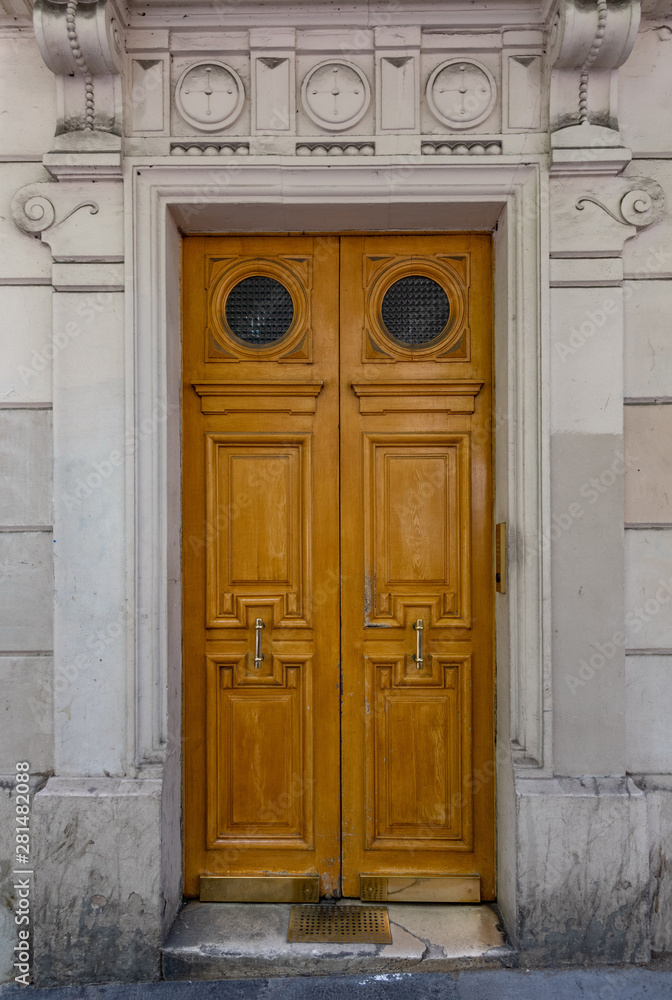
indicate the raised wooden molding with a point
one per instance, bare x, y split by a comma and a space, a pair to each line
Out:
258, 397
456, 396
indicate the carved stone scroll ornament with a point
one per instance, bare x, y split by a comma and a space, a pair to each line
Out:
589, 40
595, 219
81, 42
81, 221
641, 206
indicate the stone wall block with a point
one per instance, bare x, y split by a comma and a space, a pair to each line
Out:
658, 790
648, 696
26, 586
583, 871
648, 594
97, 868
25, 467
26, 712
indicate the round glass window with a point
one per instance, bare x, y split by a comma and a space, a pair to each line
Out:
259, 310
415, 310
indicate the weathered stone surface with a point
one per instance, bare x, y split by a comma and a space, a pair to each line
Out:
239, 941
97, 899
658, 791
583, 871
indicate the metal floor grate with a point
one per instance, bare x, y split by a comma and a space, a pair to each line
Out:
329, 924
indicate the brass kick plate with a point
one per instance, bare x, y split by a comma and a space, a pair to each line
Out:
331, 923
264, 889
432, 889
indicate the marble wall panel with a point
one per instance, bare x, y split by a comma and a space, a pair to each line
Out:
25, 343
648, 696
26, 712
27, 97
26, 587
648, 338
648, 478
25, 467
648, 600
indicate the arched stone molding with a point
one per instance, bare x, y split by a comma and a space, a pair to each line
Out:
81, 43
589, 40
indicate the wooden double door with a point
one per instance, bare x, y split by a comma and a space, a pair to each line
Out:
338, 571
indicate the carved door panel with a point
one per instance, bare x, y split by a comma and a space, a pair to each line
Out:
417, 567
292, 384
261, 558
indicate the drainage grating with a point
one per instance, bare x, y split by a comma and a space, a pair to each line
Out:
349, 924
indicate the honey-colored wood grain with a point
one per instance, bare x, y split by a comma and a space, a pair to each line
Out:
260, 540
266, 436
416, 488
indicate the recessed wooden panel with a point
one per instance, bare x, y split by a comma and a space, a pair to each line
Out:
417, 527
260, 759
419, 742
259, 520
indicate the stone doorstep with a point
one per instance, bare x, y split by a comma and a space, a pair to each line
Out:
248, 940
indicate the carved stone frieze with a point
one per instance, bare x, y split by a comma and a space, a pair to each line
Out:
81, 42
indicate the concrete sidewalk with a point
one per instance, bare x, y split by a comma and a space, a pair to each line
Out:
501, 984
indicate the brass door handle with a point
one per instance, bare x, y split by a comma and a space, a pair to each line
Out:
419, 629
258, 655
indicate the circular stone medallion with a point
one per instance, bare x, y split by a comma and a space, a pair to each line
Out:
461, 93
335, 95
209, 96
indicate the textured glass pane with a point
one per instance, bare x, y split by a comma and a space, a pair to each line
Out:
415, 310
259, 310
